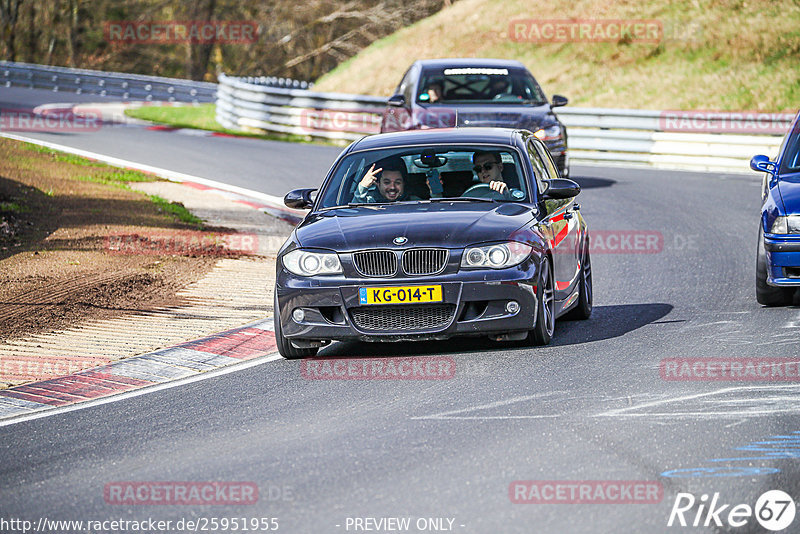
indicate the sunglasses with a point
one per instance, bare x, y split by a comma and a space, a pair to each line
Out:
484, 167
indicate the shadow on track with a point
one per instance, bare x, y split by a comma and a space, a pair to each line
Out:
591, 182
606, 322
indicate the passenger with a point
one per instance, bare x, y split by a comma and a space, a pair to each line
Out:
388, 182
489, 169
435, 92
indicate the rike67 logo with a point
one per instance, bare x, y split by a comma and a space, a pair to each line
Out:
774, 510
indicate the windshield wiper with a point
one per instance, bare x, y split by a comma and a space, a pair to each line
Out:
357, 204
462, 199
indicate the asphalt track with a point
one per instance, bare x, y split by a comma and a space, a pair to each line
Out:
591, 406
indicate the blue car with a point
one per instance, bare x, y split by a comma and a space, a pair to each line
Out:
778, 257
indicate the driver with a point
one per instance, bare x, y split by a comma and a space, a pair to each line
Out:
488, 166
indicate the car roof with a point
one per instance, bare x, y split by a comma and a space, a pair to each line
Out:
495, 136
469, 62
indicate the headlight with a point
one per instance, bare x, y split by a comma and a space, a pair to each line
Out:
550, 133
786, 225
497, 256
306, 263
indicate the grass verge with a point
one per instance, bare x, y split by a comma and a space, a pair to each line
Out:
729, 55
203, 117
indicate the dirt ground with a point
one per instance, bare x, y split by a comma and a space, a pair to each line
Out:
60, 218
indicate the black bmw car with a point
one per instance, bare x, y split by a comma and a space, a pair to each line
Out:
459, 92
433, 234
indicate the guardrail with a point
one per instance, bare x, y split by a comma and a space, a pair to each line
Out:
111, 84
596, 135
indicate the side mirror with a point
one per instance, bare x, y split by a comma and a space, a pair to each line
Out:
762, 163
299, 199
561, 188
559, 101
397, 101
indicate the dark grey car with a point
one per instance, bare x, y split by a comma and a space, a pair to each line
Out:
446, 93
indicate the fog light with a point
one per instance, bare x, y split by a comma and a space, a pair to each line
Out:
298, 315
512, 306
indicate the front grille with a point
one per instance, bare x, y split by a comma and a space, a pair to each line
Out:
403, 318
376, 262
424, 260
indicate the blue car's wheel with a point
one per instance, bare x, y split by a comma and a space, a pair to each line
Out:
765, 293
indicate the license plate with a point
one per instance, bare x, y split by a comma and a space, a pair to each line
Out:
399, 295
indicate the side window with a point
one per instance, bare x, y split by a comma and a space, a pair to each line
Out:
538, 168
406, 87
548, 162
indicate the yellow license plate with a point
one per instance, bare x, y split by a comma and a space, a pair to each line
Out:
399, 295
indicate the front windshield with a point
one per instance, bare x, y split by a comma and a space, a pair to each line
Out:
472, 85
791, 158
470, 173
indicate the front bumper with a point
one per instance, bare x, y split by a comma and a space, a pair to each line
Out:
469, 307
783, 260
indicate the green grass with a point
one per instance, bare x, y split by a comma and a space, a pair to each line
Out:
64, 157
203, 117
14, 207
113, 177
733, 55
177, 210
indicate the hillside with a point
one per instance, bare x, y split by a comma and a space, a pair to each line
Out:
711, 54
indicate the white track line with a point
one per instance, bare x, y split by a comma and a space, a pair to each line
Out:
164, 173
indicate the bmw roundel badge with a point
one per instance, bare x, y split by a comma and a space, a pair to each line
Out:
400, 240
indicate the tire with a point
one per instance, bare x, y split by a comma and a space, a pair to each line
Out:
285, 347
583, 310
542, 332
765, 293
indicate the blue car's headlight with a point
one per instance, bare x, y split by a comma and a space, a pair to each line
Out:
307, 263
496, 256
789, 224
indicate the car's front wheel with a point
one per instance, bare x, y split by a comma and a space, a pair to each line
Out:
765, 293
542, 332
285, 347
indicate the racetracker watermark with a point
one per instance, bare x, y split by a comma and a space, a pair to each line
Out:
730, 369
626, 242
60, 121
22, 368
736, 122
395, 368
181, 493
178, 32
183, 243
586, 30
585, 492
338, 120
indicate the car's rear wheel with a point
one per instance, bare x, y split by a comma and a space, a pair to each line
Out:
583, 310
765, 293
285, 347
542, 332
